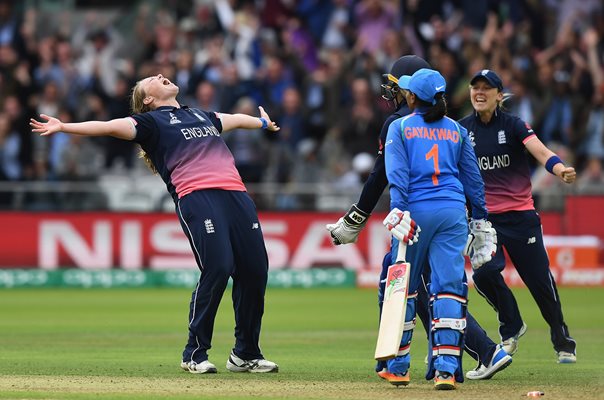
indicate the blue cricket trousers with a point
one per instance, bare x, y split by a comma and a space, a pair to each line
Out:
477, 343
224, 232
442, 239
521, 235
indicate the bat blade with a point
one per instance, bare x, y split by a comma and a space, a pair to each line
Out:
392, 320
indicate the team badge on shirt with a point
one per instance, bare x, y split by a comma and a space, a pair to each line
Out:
471, 136
174, 119
209, 226
501, 137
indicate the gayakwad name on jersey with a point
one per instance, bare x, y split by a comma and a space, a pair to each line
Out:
500, 161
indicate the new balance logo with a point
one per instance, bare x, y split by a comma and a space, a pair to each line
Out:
531, 240
209, 226
255, 225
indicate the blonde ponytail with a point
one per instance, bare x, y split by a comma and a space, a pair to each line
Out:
506, 97
138, 106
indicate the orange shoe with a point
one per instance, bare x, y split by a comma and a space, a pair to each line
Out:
383, 373
395, 379
444, 381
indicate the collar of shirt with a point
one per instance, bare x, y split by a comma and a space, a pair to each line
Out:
496, 115
171, 108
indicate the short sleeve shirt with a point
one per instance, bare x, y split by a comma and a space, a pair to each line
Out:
185, 146
500, 149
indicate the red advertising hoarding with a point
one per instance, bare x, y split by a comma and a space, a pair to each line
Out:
135, 241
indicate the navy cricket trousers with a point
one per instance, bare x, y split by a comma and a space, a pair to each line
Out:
519, 232
224, 232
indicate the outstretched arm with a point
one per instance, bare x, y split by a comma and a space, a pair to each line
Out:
550, 160
234, 121
121, 128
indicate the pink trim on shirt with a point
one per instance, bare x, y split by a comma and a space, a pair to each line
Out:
526, 139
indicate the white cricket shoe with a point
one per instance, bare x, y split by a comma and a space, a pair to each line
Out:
204, 367
564, 357
511, 345
259, 365
499, 362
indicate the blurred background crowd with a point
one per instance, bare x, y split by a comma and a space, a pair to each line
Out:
315, 65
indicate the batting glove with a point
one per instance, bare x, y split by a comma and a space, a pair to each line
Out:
348, 228
402, 227
482, 242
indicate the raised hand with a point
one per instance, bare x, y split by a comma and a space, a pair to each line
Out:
52, 125
272, 126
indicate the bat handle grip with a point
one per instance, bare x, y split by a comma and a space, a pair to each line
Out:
402, 251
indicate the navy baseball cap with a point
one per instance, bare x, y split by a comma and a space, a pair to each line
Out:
490, 76
425, 83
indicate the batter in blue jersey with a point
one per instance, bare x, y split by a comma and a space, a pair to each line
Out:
431, 168
490, 356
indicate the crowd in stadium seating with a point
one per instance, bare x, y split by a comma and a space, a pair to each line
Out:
316, 67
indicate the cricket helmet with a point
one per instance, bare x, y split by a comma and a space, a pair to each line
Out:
406, 65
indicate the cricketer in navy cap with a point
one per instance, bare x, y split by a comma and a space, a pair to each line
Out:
425, 83
490, 76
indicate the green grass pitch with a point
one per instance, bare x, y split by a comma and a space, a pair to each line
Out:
126, 344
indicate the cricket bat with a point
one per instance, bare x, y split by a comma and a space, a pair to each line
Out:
392, 320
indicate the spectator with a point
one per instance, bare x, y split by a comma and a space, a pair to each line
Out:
373, 18
559, 114
362, 122
119, 153
10, 147
19, 120
248, 146
337, 32
292, 119
280, 52
98, 61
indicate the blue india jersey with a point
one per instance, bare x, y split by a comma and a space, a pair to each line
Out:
432, 165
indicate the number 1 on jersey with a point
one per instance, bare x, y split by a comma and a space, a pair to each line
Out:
433, 154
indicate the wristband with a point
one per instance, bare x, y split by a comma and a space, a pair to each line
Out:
549, 164
355, 216
264, 122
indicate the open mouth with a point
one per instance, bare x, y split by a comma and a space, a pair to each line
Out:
166, 82
480, 100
